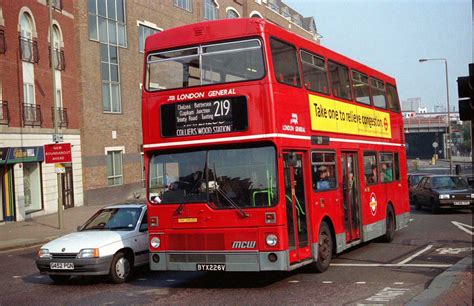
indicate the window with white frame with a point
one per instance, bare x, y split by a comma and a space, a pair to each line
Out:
109, 66
114, 167
184, 4
107, 21
211, 10
232, 13
143, 32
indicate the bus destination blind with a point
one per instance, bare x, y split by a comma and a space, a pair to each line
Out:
204, 117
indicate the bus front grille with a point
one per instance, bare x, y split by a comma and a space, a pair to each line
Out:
200, 258
189, 242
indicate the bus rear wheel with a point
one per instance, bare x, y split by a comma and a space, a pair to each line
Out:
389, 225
325, 246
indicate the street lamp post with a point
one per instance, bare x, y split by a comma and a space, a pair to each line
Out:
421, 60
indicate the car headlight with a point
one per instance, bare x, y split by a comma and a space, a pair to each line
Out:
443, 196
271, 240
88, 253
44, 253
155, 242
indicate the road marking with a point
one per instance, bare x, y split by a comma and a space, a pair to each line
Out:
444, 251
398, 283
327, 282
360, 283
39, 276
463, 227
414, 255
293, 281
391, 265
142, 279
387, 294
17, 276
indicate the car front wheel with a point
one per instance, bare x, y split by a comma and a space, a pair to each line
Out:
120, 269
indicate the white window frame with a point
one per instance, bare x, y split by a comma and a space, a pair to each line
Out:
187, 7
121, 150
147, 24
216, 11
230, 8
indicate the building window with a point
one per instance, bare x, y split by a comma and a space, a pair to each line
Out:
109, 66
58, 54
232, 13
107, 22
285, 12
3, 43
28, 47
114, 168
143, 32
273, 5
184, 4
211, 10
32, 186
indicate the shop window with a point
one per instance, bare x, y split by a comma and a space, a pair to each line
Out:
32, 186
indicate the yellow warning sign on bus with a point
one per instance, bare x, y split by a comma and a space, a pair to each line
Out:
338, 117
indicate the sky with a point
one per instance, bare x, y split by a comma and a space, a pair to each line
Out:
390, 36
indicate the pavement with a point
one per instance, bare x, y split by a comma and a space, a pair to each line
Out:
452, 287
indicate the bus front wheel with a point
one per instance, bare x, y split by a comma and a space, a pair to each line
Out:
325, 246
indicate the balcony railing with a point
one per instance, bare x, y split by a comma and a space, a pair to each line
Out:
32, 115
29, 50
4, 114
3, 42
58, 59
63, 120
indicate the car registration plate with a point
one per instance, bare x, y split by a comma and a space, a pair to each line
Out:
210, 267
461, 202
61, 266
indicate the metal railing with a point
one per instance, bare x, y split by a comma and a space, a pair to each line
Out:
63, 120
4, 113
31, 115
28, 50
58, 59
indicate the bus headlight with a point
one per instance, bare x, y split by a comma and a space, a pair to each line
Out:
271, 240
155, 242
443, 196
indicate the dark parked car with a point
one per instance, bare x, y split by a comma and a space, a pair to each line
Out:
442, 191
413, 179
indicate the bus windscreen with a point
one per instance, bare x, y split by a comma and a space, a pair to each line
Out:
207, 64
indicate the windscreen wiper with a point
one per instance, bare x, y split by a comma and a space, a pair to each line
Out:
231, 202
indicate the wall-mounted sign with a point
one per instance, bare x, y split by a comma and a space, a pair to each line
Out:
204, 117
25, 155
57, 153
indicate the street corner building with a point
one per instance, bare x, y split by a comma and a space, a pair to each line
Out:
98, 49
28, 185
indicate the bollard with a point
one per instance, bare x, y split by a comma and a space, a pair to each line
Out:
433, 160
415, 164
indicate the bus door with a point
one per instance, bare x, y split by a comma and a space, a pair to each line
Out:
351, 195
296, 210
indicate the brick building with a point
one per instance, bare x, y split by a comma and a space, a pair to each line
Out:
28, 186
110, 36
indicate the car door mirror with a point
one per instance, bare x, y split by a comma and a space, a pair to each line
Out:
79, 227
143, 227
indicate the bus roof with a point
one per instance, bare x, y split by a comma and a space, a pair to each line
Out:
227, 29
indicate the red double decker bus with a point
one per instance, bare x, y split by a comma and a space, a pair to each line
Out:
265, 151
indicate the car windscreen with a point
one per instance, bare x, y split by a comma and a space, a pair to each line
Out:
123, 219
448, 182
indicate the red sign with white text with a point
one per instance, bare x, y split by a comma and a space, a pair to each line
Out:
57, 153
